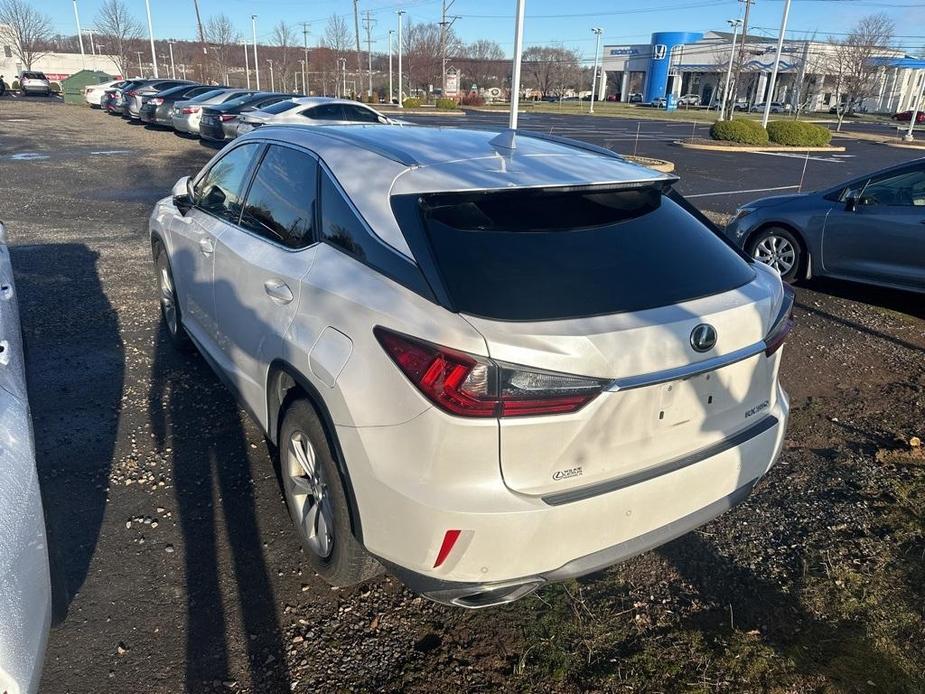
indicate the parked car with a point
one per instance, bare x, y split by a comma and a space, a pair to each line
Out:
186, 114
659, 102
158, 109
474, 435
113, 99
689, 100
315, 110
906, 116
634, 98
776, 107
136, 97
25, 600
220, 121
93, 93
33, 82
869, 230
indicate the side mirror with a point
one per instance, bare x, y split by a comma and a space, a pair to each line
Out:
851, 203
183, 194
384, 120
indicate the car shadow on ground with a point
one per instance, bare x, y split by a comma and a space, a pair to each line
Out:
897, 300
75, 361
197, 424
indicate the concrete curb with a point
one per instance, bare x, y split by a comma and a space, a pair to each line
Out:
753, 148
905, 145
650, 163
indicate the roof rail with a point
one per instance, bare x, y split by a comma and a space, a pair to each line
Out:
396, 154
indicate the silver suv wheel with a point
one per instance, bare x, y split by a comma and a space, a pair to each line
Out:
307, 495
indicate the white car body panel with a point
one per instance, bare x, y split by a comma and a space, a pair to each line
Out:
417, 470
25, 589
94, 93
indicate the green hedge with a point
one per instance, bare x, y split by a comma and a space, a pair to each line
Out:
446, 104
746, 132
411, 102
796, 133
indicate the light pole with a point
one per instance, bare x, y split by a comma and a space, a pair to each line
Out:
515, 74
780, 46
304, 87
343, 67
391, 31
734, 23
917, 98
80, 36
173, 67
247, 65
141, 70
151, 37
400, 15
597, 51
272, 81
256, 62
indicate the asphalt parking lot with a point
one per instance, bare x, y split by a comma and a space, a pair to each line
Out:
170, 537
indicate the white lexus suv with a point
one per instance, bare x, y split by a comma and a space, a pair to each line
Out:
489, 361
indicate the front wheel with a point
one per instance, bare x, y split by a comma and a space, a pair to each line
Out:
316, 499
170, 307
780, 249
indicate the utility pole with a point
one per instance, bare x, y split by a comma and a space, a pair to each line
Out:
202, 41
247, 67
735, 88
173, 67
598, 31
735, 30
80, 35
445, 25
151, 37
343, 89
515, 74
356, 29
141, 70
304, 90
256, 62
305, 26
391, 31
401, 14
369, 51
780, 46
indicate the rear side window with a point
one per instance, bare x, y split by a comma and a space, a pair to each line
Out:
281, 202
558, 254
221, 190
359, 114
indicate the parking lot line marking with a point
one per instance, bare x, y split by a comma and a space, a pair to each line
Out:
736, 192
794, 155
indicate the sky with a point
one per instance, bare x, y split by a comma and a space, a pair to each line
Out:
547, 21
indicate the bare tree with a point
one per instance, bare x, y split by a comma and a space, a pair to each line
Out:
423, 54
482, 63
852, 62
284, 38
223, 39
337, 42
25, 29
552, 69
120, 32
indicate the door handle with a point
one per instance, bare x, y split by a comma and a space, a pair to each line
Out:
206, 247
278, 291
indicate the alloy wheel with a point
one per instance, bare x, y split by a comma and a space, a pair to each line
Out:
307, 495
167, 294
776, 251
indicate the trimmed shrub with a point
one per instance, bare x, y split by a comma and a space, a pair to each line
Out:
446, 104
472, 100
797, 133
411, 102
746, 132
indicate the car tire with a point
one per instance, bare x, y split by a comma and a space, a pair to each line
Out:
317, 500
170, 306
780, 249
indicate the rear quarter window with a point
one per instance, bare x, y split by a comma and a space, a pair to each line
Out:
567, 253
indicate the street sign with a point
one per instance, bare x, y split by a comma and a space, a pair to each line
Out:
452, 82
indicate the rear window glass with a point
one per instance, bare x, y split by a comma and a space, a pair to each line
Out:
33, 76
557, 254
208, 95
279, 107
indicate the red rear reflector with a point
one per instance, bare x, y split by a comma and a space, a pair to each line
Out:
472, 386
227, 117
448, 541
189, 109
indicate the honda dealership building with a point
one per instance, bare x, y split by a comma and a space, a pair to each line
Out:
681, 63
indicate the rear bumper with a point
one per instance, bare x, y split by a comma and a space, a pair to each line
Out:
185, 125
213, 132
512, 543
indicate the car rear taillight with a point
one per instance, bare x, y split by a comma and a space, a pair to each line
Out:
226, 117
131, 92
189, 109
782, 325
472, 386
155, 100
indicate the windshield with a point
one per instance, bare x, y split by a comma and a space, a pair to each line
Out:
552, 254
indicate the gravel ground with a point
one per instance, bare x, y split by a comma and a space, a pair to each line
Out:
170, 536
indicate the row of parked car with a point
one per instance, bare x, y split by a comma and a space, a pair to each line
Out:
218, 113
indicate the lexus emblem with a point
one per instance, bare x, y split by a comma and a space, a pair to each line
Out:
703, 337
